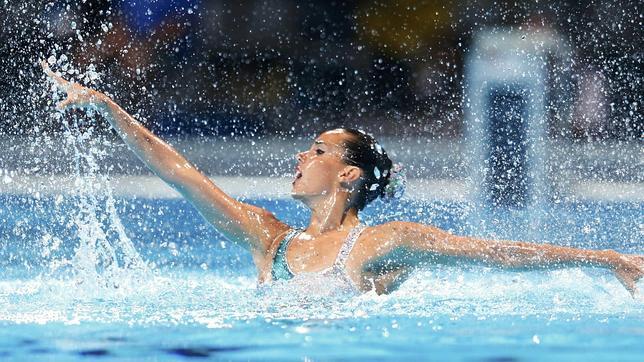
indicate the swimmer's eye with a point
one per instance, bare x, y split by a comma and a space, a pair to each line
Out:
319, 151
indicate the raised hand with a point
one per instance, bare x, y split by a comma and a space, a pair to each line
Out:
77, 95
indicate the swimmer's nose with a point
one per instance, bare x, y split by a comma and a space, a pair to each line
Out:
300, 156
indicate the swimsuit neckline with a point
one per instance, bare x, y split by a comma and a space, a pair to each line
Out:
282, 270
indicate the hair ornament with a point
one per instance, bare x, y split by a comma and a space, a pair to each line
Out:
397, 183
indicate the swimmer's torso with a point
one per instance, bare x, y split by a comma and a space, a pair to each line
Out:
307, 255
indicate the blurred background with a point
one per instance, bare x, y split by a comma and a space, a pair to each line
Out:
214, 77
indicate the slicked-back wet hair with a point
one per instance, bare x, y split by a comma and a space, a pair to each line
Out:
362, 150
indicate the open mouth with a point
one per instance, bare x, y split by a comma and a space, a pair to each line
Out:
298, 174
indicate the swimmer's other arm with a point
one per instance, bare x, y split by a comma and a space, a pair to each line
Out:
252, 227
437, 243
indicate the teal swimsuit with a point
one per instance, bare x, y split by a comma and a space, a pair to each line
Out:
281, 270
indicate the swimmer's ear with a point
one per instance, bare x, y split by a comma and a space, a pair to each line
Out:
350, 174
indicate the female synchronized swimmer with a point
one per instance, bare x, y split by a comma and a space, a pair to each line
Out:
335, 178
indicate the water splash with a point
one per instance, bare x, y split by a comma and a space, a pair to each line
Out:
105, 257
202, 298
99, 260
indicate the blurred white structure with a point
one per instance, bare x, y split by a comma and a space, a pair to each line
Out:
515, 93
516, 96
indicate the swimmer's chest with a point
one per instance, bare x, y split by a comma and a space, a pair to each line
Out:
307, 254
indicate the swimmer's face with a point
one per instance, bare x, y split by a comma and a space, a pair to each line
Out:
320, 170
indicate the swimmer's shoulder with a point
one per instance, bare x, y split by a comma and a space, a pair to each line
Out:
390, 228
383, 234
379, 240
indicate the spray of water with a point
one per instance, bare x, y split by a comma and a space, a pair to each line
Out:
104, 257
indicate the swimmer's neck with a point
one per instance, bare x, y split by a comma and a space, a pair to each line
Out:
329, 215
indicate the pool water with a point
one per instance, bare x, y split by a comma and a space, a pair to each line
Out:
160, 284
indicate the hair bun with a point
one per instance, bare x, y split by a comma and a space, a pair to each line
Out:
395, 188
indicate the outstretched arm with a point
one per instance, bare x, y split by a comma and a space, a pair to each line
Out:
513, 255
252, 227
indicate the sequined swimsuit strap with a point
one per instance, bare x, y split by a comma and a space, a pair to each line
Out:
343, 255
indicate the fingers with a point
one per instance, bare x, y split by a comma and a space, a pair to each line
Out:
57, 78
64, 104
74, 101
45, 67
62, 84
637, 262
626, 281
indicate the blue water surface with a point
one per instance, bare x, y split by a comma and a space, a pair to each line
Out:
196, 296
